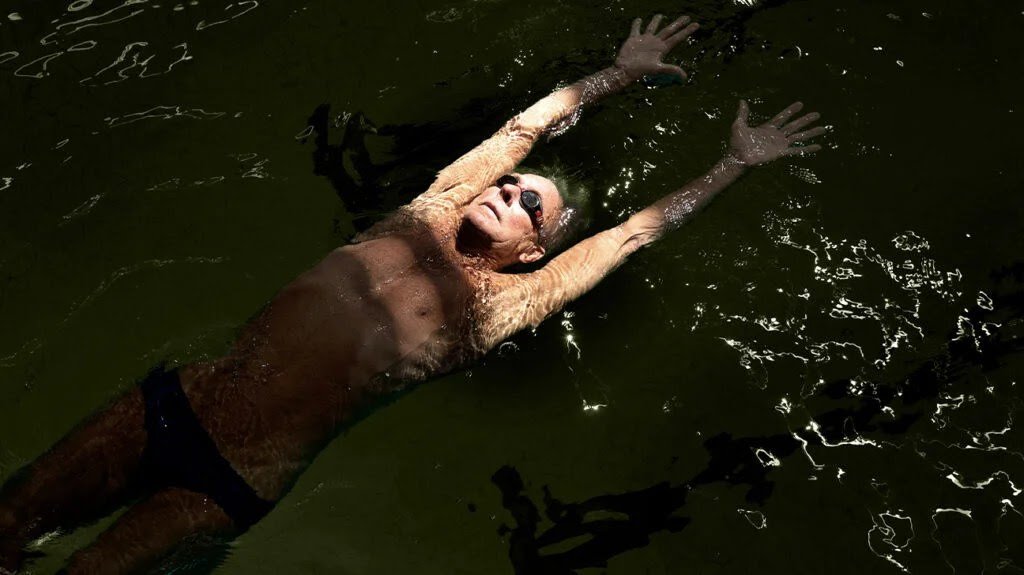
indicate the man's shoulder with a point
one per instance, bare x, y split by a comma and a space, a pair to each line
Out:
408, 219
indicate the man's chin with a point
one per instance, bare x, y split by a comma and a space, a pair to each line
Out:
481, 221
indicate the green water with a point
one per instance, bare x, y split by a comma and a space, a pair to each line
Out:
820, 372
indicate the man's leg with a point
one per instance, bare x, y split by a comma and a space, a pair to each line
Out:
150, 530
81, 477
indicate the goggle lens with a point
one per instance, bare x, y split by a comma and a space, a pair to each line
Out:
529, 199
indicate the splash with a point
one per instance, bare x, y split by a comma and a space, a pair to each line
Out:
872, 292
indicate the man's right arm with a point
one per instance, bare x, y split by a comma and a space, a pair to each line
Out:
641, 54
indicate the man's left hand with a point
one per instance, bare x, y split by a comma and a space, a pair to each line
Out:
775, 138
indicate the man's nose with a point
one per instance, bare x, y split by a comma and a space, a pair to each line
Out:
508, 193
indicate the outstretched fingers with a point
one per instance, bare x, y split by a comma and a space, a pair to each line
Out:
682, 34
801, 150
652, 27
794, 135
808, 134
778, 137
784, 116
799, 123
674, 27
742, 115
643, 53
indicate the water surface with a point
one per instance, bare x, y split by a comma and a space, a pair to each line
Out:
818, 374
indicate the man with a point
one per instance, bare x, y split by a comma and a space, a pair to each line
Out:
208, 448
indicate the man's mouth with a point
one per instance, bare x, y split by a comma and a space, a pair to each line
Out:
493, 210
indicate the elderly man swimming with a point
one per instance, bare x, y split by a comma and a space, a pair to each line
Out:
208, 448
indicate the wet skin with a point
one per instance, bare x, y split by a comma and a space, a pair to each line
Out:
368, 318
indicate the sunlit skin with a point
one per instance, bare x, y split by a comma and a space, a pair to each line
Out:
420, 293
497, 228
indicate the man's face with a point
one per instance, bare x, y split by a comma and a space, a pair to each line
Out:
507, 221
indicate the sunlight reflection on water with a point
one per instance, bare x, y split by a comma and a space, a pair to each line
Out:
135, 59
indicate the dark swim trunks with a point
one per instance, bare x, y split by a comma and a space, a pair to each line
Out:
180, 453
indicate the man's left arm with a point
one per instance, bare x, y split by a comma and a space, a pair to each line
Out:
527, 299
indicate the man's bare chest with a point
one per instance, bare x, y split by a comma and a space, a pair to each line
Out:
414, 300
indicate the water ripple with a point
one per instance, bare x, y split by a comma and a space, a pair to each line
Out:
248, 5
91, 21
890, 535
140, 58
848, 316
137, 65
126, 271
43, 61
161, 113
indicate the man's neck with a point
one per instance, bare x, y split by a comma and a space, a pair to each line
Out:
477, 252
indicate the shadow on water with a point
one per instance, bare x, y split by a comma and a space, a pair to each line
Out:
746, 461
370, 187
646, 511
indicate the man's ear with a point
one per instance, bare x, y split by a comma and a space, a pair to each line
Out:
532, 254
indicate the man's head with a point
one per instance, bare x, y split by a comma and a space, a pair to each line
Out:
513, 218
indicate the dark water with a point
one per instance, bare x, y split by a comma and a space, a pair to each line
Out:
818, 375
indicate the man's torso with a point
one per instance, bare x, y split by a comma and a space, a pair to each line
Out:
367, 318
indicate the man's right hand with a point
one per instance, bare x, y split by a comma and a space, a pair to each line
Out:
641, 54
